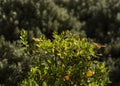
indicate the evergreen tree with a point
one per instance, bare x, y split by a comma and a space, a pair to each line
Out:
36, 16
14, 64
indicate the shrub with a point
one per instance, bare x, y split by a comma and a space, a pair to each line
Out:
66, 60
114, 75
34, 16
14, 64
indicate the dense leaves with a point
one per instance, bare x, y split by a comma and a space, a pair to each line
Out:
14, 64
42, 16
66, 60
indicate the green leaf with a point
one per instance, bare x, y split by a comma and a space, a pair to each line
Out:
44, 83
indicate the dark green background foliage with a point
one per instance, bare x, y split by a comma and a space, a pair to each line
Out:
96, 19
42, 16
14, 64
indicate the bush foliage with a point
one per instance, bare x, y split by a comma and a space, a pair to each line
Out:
66, 60
42, 16
14, 64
